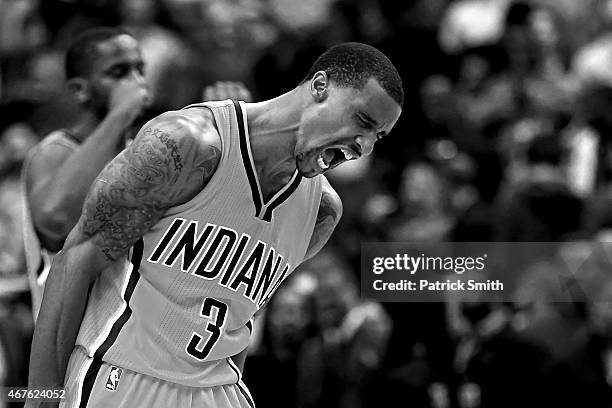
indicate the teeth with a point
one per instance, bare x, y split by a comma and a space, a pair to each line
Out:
322, 164
348, 155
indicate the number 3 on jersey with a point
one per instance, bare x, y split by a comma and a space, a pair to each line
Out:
214, 328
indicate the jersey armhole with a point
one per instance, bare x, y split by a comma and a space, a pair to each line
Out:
318, 192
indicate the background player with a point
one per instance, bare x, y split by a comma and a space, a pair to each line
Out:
217, 170
105, 74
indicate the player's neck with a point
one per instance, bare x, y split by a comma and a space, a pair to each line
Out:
273, 125
279, 117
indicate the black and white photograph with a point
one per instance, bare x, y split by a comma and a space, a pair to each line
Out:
305, 203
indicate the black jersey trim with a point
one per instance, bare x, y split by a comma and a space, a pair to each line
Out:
41, 266
246, 395
246, 160
251, 172
96, 364
235, 369
244, 392
282, 197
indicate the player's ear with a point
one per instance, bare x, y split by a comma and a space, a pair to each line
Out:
80, 89
319, 86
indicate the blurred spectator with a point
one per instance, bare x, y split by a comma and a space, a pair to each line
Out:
442, 110
535, 63
287, 324
165, 54
424, 213
418, 364
556, 299
472, 23
336, 368
225, 39
15, 141
589, 134
497, 367
578, 21
601, 316
16, 326
21, 28
414, 49
16, 330
598, 215
540, 206
297, 45
487, 96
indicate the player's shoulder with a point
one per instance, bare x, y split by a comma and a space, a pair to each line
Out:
187, 126
330, 199
56, 143
174, 152
48, 155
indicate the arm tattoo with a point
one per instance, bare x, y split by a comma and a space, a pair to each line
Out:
170, 144
327, 218
132, 193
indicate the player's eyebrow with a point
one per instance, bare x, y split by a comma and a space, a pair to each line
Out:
369, 119
115, 65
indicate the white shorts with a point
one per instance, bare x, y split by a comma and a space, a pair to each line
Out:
96, 384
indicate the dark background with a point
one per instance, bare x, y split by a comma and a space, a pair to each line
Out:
505, 136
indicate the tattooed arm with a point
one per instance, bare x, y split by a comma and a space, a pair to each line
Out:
330, 211
169, 162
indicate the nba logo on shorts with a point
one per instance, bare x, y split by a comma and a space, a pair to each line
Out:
113, 378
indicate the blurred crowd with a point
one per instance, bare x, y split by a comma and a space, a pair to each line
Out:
506, 135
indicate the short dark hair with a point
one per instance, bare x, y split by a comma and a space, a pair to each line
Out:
353, 64
83, 51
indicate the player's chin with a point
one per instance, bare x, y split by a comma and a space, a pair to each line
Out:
306, 168
309, 172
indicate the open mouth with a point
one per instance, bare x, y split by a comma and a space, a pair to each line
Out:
333, 156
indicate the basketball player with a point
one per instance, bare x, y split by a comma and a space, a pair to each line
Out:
104, 72
191, 229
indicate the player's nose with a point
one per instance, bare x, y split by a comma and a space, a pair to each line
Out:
366, 143
138, 77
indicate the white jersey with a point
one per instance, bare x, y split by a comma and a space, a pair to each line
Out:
181, 304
